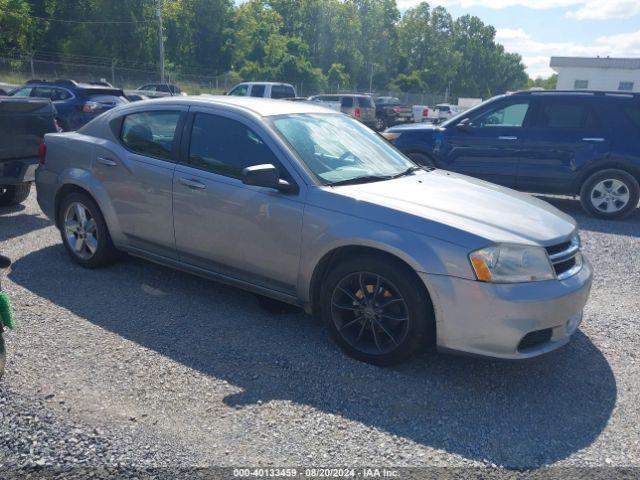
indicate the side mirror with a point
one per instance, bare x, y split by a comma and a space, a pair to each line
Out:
465, 124
266, 175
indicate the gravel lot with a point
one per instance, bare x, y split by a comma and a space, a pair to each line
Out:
140, 365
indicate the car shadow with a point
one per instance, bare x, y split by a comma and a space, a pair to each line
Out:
628, 226
516, 414
16, 225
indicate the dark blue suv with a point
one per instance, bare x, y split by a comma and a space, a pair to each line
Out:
556, 142
75, 103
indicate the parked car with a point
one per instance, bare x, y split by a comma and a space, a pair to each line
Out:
75, 103
274, 90
568, 143
424, 113
445, 111
305, 205
135, 97
157, 90
391, 111
5, 313
360, 107
23, 124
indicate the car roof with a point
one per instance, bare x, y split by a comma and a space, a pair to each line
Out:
260, 106
266, 83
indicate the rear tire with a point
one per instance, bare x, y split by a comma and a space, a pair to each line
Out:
84, 232
380, 124
610, 194
14, 194
386, 325
421, 159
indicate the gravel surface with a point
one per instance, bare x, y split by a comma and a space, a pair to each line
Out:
143, 366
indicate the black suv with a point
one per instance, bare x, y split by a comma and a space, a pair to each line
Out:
557, 142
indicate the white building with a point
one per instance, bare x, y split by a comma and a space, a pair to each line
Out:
600, 73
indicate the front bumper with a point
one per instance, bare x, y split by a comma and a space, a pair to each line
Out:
492, 319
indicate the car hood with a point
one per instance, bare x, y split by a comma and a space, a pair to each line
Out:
455, 208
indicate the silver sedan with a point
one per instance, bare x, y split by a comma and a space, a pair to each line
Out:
300, 203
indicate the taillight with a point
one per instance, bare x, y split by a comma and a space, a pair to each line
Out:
42, 153
396, 109
425, 112
89, 107
356, 112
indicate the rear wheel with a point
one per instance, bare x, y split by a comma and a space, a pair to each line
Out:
374, 311
380, 124
84, 232
14, 194
610, 194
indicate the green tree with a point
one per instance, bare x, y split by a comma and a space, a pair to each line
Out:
337, 77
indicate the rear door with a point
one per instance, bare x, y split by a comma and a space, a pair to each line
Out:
566, 134
137, 173
489, 147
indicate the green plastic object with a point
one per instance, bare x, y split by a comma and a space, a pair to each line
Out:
6, 317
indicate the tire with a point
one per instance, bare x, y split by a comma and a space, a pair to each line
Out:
3, 355
421, 159
360, 331
92, 246
14, 194
610, 194
380, 124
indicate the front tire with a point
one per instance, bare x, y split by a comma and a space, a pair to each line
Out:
14, 194
84, 232
380, 124
610, 194
374, 311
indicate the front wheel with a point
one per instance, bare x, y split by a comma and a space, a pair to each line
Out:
610, 194
380, 124
374, 310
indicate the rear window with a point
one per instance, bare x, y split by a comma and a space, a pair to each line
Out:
150, 133
347, 102
282, 91
365, 102
566, 115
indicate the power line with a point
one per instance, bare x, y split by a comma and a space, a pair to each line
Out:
81, 22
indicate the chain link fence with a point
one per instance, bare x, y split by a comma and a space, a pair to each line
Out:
16, 67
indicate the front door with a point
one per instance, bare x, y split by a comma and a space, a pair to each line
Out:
488, 146
222, 225
137, 174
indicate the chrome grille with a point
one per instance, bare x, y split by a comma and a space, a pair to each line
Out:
566, 258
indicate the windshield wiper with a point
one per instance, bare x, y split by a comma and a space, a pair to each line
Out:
408, 171
357, 180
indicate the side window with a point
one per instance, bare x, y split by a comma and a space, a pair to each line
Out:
633, 114
22, 92
224, 146
42, 92
581, 84
282, 91
150, 133
565, 115
239, 91
257, 90
59, 94
512, 115
347, 102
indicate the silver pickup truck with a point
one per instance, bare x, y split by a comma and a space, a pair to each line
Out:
23, 124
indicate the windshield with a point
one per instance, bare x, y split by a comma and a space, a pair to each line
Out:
339, 149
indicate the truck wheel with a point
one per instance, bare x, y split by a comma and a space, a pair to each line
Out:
84, 232
374, 311
380, 124
610, 194
14, 194
421, 159
3, 355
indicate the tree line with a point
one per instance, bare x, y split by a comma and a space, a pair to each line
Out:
321, 44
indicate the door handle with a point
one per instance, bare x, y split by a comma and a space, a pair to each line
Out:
507, 138
194, 184
106, 161
593, 139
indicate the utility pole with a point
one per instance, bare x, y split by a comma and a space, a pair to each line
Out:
371, 80
160, 40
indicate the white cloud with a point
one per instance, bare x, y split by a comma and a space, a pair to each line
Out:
577, 9
536, 54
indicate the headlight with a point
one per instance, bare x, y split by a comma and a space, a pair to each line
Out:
511, 264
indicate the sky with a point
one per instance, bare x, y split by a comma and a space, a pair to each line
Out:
539, 29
